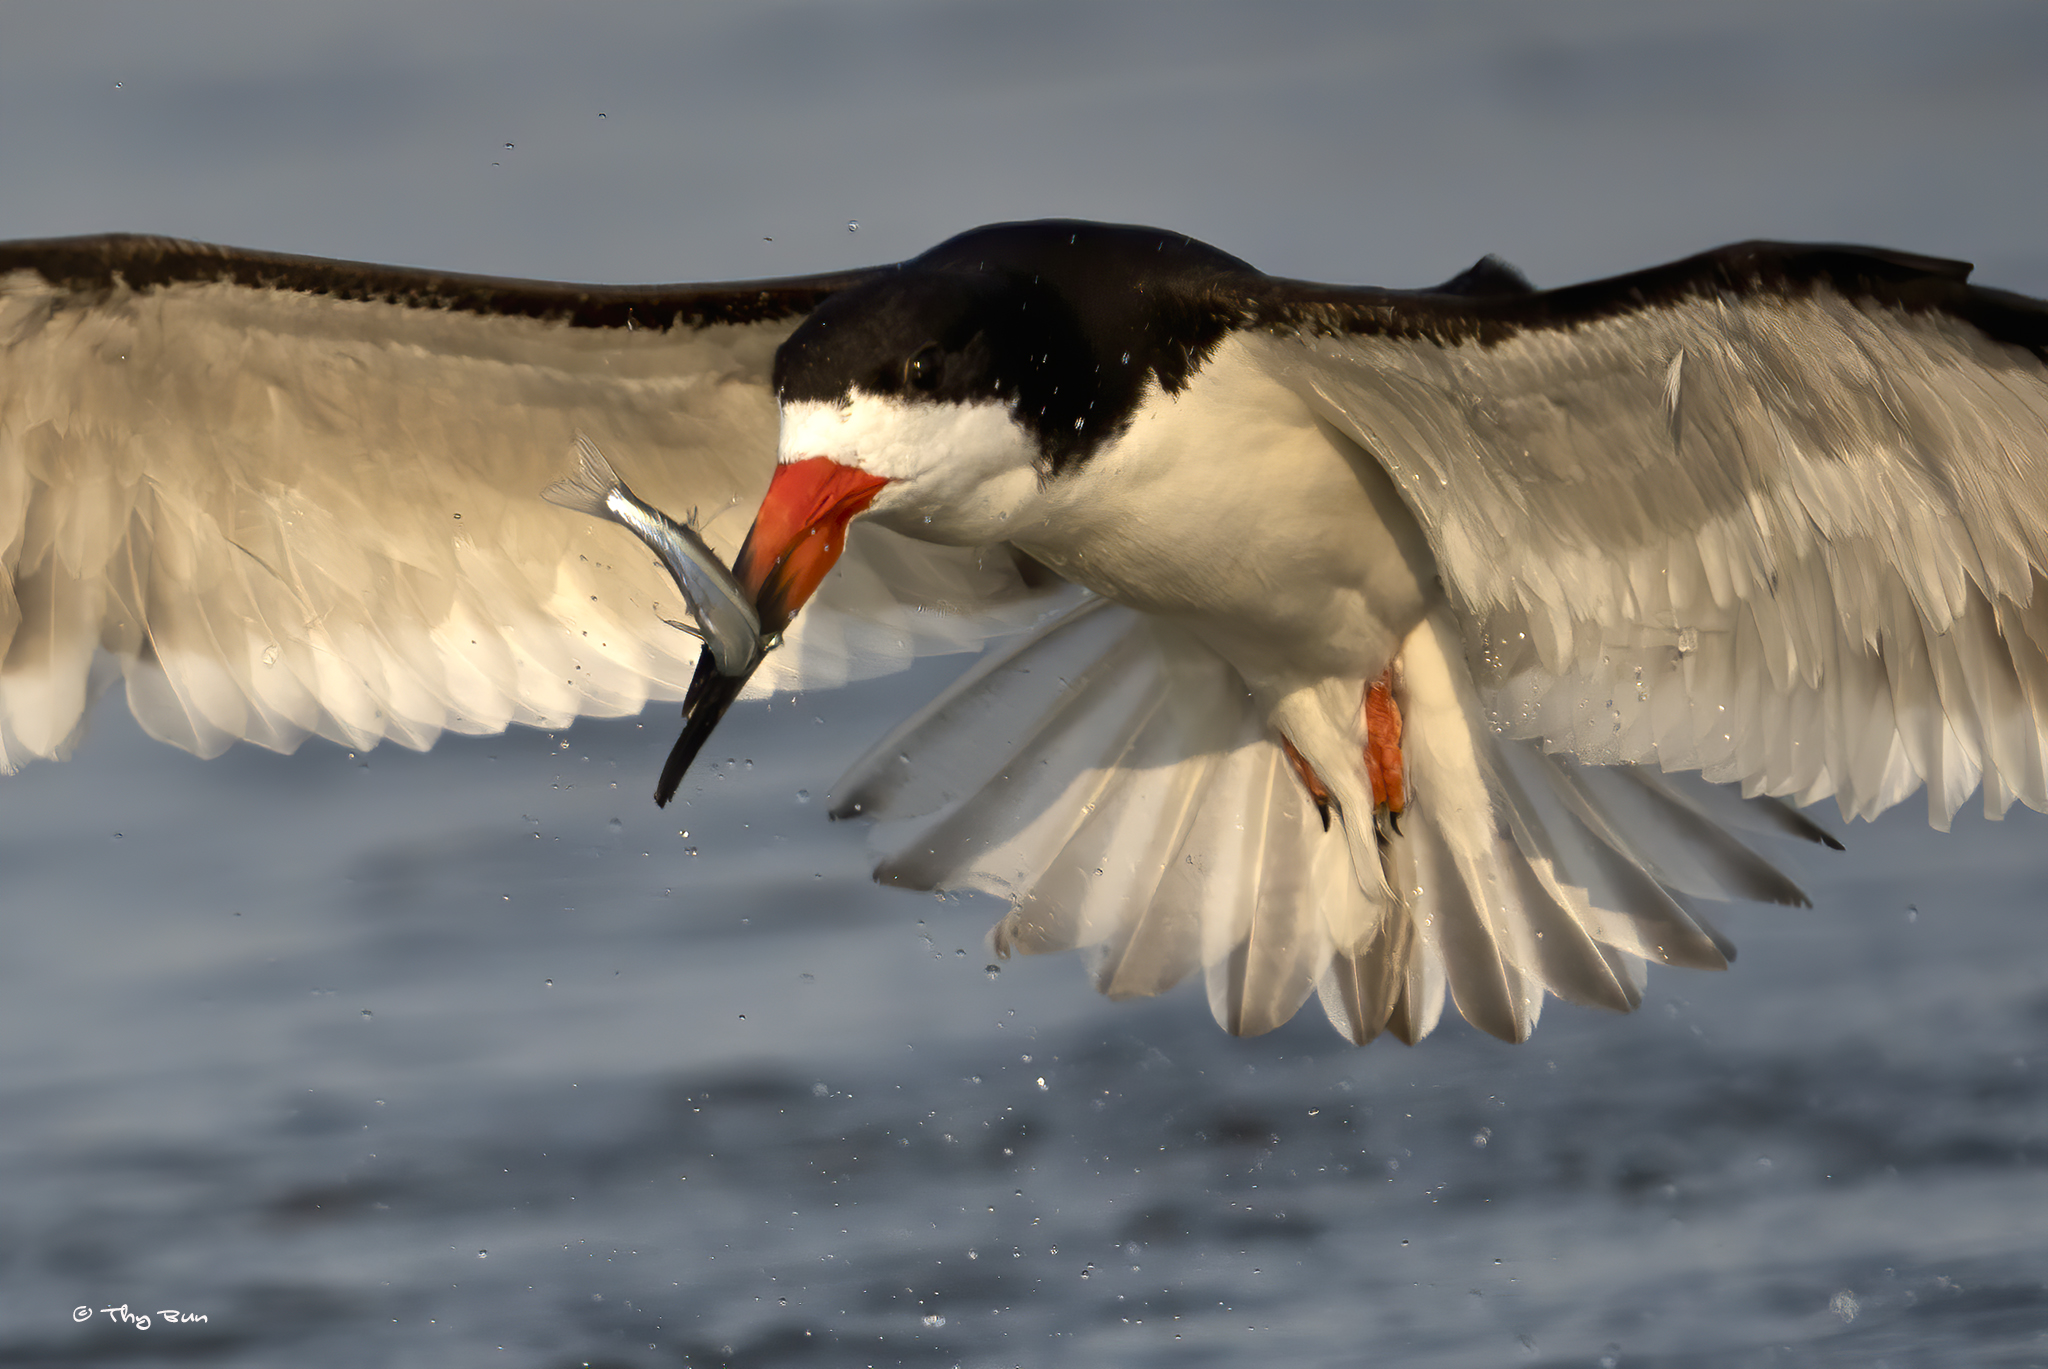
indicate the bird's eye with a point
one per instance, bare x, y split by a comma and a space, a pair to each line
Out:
921, 372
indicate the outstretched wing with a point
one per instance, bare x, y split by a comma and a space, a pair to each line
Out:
281, 496
1775, 513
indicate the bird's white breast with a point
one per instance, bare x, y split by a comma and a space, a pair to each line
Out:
1232, 508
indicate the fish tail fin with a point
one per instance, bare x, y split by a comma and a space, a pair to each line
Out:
591, 486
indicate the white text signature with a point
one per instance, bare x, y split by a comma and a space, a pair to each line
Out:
141, 1321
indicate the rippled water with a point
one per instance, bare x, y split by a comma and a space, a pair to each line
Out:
472, 1059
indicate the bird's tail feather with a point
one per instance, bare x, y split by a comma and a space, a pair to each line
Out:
1110, 776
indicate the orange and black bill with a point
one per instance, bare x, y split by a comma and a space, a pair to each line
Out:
798, 534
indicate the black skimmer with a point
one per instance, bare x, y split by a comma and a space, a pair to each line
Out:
1350, 633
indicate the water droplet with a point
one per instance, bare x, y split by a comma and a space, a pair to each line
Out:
366, 1012
1482, 1136
993, 970
803, 796
483, 1254
853, 225
1042, 1086
548, 983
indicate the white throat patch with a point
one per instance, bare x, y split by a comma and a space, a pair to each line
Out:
958, 473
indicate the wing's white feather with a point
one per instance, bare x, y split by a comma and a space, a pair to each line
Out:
969, 732
1362, 985
1112, 778
1271, 942
1682, 849
283, 514
1776, 538
1109, 776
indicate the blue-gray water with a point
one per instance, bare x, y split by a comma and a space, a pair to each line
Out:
766, 1106
716, 1100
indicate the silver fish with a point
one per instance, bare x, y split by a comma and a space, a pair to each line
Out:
726, 622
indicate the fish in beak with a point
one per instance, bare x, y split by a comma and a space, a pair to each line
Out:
726, 621
798, 533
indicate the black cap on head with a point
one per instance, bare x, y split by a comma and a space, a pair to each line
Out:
1064, 322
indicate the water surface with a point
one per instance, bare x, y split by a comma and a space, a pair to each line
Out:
475, 1058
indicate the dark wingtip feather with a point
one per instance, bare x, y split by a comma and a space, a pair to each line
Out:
711, 694
1487, 276
1793, 823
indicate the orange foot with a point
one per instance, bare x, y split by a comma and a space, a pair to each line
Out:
1310, 781
1383, 747
1382, 756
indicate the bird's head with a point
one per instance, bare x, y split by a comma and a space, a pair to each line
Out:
896, 406
938, 398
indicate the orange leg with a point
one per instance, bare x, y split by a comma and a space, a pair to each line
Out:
1382, 755
1383, 745
1310, 781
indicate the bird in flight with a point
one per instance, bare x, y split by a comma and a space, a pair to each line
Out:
1362, 643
